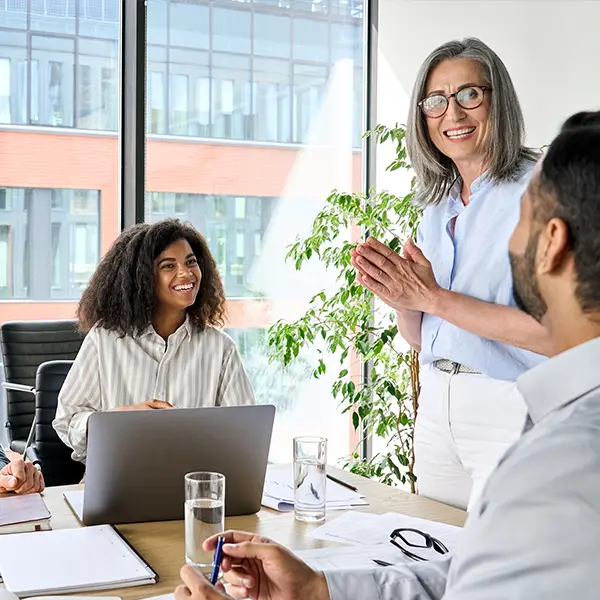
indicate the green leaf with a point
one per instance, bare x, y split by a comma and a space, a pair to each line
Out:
392, 465
395, 244
355, 420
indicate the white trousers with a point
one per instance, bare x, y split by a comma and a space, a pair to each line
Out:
464, 425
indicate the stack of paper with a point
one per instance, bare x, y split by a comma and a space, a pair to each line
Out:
278, 492
23, 513
371, 530
70, 560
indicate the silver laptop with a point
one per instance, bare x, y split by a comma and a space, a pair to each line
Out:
136, 461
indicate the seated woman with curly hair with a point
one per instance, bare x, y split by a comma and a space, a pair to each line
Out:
150, 313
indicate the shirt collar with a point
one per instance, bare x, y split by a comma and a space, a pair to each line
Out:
186, 327
456, 204
561, 380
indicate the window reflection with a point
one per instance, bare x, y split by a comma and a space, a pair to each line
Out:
234, 72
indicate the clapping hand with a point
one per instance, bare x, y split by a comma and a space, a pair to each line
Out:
402, 282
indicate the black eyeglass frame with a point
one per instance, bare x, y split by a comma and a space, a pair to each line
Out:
483, 88
429, 542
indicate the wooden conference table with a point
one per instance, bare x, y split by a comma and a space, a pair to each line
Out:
162, 543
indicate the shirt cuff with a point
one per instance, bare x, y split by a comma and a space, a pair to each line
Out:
77, 434
351, 585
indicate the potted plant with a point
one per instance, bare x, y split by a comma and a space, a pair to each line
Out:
350, 323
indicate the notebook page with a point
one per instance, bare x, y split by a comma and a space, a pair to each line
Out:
73, 559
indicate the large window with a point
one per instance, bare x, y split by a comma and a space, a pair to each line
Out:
254, 115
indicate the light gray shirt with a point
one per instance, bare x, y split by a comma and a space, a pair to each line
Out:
535, 533
194, 368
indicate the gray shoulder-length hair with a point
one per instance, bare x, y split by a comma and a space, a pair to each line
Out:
505, 150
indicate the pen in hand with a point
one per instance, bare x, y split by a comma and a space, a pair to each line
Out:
218, 558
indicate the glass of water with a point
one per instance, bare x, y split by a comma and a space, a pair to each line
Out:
204, 515
310, 459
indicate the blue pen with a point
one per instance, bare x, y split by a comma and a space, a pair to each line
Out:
217, 560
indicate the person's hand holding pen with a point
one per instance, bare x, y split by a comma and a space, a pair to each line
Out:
21, 477
255, 568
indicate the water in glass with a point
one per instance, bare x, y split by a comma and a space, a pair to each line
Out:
309, 492
203, 519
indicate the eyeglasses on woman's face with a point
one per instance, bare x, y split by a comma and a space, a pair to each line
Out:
435, 105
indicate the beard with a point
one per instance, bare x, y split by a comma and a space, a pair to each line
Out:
526, 290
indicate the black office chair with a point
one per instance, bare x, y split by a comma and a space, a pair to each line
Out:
46, 448
25, 346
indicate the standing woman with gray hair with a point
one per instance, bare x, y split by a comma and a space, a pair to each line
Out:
452, 291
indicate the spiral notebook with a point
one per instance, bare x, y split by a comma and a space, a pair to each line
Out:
67, 561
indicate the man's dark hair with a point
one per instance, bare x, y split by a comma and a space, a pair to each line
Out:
121, 295
570, 181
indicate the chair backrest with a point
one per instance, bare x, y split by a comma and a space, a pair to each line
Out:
55, 458
25, 345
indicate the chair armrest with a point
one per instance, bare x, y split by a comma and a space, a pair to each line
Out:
18, 387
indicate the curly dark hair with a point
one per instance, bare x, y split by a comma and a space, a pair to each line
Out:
121, 294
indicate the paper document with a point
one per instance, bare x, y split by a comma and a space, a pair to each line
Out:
368, 529
75, 501
70, 560
351, 558
278, 492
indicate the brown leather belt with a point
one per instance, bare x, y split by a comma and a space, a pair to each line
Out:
449, 366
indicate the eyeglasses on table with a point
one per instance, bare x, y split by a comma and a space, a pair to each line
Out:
411, 541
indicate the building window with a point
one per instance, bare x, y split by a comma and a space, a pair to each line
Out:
179, 105
47, 261
203, 101
5, 90
157, 103
5, 262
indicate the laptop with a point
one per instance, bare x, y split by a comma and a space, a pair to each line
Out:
136, 461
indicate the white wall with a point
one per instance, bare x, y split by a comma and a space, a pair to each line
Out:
551, 50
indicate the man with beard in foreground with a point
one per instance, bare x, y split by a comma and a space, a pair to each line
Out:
534, 533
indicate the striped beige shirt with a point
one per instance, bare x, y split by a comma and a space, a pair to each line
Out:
194, 368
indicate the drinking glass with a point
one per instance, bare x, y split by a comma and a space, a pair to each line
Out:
204, 515
310, 459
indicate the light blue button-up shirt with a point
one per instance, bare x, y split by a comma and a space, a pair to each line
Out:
474, 262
